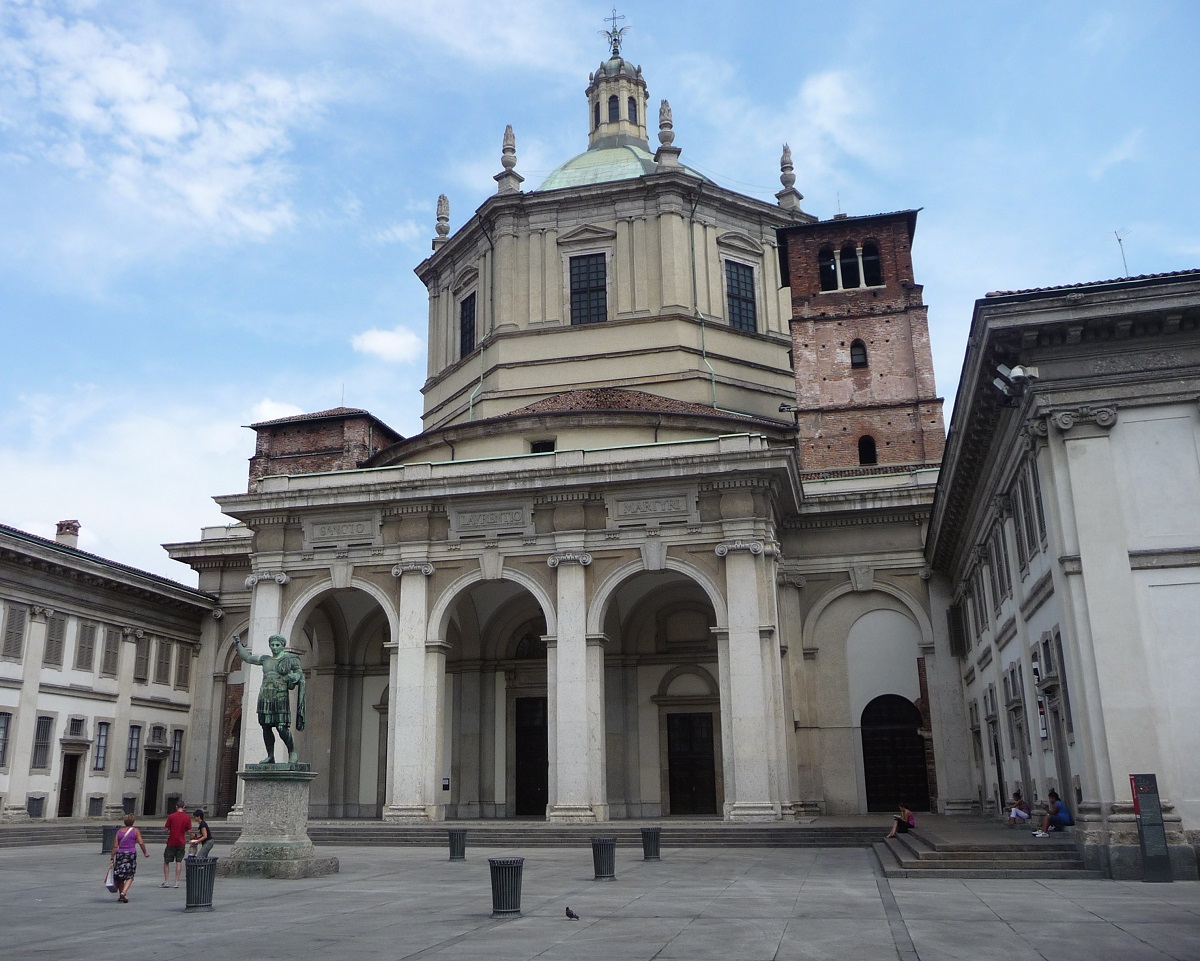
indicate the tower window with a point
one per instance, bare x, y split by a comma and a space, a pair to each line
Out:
849, 266
541, 446
596, 115
589, 292
866, 450
858, 354
633, 117
871, 267
614, 109
466, 325
739, 285
827, 269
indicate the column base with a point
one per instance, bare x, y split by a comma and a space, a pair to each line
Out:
752, 811
413, 813
1108, 840
15, 812
572, 812
808, 808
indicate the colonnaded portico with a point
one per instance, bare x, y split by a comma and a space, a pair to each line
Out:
565, 649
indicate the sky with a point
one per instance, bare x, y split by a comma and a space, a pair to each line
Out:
210, 212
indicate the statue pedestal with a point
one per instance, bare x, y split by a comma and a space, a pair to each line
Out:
274, 841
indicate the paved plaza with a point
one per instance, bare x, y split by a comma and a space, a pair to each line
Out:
734, 904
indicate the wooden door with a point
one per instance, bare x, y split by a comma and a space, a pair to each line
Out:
691, 764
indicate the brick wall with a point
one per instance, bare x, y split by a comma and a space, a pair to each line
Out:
892, 399
316, 445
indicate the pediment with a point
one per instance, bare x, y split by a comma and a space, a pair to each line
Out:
587, 234
744, 243
465, 278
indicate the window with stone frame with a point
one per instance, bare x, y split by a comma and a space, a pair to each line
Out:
85, 648
740, 298
5, 729
1028, 518
15, 619
1036, 487
100, 754
56, 639
466, 325
183, 667
1018, 510
614, 109
176, 763
162, 663
141, 660
42, 733
589, 288
110, 660
133, 751
632, 110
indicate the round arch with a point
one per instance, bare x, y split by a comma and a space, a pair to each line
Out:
609, 586
910, 603
302, 606
439, 614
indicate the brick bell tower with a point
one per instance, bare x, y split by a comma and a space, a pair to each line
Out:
865, 393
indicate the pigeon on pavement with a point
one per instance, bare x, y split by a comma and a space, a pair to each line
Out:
572, 915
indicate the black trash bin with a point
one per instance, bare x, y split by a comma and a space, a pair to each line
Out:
604, 858
651, 841
108, 834
200, 873
506, 886
458, 844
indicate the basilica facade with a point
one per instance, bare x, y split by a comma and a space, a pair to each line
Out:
658, 550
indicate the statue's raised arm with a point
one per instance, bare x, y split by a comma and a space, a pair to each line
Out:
245, 654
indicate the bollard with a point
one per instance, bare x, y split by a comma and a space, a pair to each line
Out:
108, 834
604, 858
458, 844
200, 873
506, 886
651, 841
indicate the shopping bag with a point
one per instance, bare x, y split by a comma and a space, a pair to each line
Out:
110, 882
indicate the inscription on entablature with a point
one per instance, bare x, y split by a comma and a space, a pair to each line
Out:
491, 520
358, 530
653, 510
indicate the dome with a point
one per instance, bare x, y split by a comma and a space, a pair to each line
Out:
600, 165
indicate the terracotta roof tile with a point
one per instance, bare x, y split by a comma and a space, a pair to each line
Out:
1090, 283
318, 415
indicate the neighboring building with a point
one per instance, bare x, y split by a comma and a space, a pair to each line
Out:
1068, 522
99, 664
604, 582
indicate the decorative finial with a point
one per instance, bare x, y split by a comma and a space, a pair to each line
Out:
668, 154
508, 180
789, 197
615, 34
443, 221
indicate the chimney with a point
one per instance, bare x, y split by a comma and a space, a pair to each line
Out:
68, 533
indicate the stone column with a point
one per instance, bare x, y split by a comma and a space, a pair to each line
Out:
122, 711
748, 792
24, 721
409, 700
576, 698
266, 614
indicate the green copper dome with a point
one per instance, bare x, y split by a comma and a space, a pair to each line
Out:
605, 164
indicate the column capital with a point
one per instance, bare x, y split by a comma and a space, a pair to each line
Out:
1064, 419
134, 633
279, 577
754, 547
39, 612
423, 567
582, 558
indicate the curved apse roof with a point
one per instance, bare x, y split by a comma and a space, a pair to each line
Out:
604, 165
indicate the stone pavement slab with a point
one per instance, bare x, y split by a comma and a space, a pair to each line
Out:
732, 904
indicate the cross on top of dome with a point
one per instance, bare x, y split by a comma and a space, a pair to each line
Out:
616, 33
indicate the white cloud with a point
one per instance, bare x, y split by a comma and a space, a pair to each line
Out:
202, 156
401, 232
267, 409
1127, 149
397, 346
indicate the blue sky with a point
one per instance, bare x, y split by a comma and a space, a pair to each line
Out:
210, 213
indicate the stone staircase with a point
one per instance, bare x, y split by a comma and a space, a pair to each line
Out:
914, 856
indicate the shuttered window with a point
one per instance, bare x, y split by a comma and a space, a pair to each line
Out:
85, 648
162, 666
56, 635
183, 667
141, 660
112, 652
14, 632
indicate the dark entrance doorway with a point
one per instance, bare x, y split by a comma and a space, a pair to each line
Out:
691, 768
67, 786
153, 786
894, 755
532, 757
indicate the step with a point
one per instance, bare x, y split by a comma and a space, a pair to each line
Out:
899, 860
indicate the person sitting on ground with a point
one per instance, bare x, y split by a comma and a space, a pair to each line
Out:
903, 822
1057, 816
1020, 810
